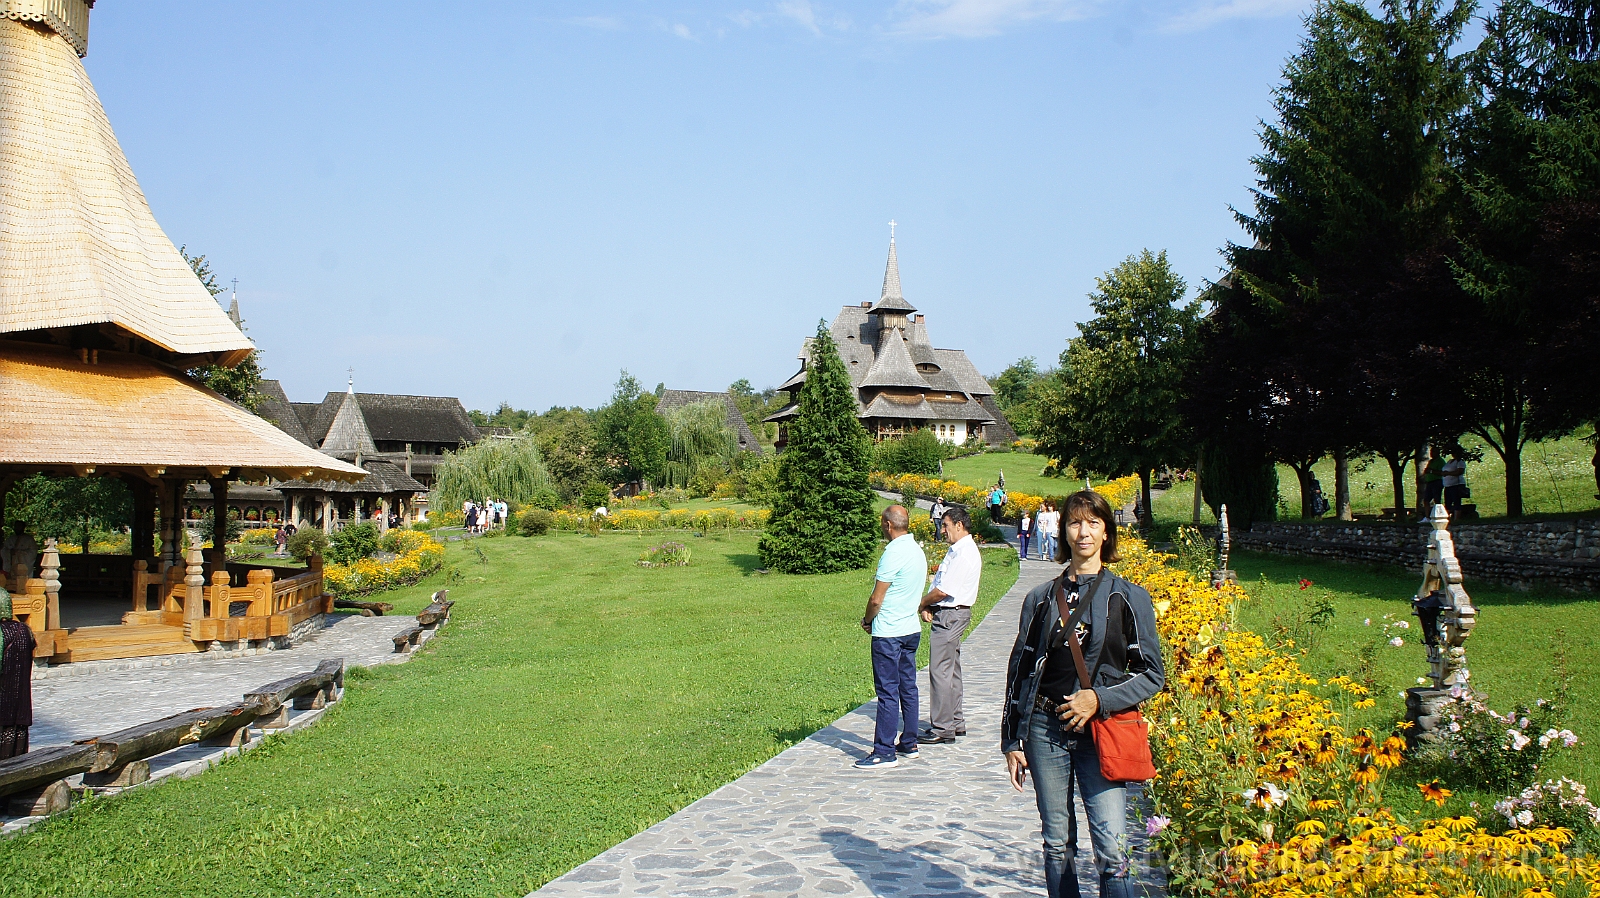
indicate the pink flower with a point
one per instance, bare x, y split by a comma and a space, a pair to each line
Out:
1155, 825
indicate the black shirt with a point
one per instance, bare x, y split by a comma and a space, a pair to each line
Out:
1059, 678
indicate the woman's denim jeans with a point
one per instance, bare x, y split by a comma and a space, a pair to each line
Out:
1055, 768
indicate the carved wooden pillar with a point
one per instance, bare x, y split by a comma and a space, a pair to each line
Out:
50, 573
327, 513
194, 583
383, 515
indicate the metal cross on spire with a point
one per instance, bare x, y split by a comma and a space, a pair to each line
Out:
352, 379
235, 286
891, 228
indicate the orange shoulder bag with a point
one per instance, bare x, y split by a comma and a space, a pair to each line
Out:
1122, 739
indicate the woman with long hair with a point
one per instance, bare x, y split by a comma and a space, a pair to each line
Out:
1045, 725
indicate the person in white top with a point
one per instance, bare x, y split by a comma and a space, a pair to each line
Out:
1048, 522
948, 605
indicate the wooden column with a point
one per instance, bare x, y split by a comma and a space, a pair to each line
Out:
50, 573
194, 583
383, 514
172, 522
327, 513
219, 523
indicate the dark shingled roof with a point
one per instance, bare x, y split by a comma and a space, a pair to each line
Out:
741, 430
382, 477
406, 419
275, 407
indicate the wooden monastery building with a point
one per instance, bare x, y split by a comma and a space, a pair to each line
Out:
398, 440
902, 382
100, 316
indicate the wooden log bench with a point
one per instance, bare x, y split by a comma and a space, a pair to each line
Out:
43, 767
115, 751
438, 610
377, 609
312, 689
407, 639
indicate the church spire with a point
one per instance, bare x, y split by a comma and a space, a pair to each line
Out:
892, 299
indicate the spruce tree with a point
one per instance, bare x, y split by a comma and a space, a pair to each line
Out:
822, 517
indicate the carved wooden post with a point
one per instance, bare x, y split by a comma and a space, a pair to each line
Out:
260, 593
194, 602
140, 569
1224, 543
220, 589
50, 573
35, 601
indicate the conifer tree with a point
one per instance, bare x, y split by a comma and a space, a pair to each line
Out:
822, 517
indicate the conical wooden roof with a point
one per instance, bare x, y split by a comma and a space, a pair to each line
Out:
348, 434
78, 243
892, 300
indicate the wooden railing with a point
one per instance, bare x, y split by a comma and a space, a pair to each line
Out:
274, 605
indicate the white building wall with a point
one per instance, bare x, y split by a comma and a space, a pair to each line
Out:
949, 431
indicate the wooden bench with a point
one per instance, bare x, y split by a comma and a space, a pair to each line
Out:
310, 690
407, 639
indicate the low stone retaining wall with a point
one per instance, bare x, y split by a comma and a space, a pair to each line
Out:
1552, 554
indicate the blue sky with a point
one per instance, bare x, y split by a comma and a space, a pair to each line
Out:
514, 201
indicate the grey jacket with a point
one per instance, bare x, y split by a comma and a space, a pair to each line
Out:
1132, 670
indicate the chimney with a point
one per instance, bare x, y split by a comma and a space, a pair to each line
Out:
866, 305
917, 318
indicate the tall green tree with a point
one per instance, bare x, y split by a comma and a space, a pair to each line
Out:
630, 434
1114, 409
242, 382
509, 468
822, 515
1527, 156
70, 508
1015, 392
1324, 336
701, 439
570, 447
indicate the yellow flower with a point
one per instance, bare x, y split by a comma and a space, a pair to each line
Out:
1366, 703
1365, 773
1434, 792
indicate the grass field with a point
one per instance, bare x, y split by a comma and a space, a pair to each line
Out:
1022, 472
1557, 478
1512, 651
574, 700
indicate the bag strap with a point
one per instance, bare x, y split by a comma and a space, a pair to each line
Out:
1100, 580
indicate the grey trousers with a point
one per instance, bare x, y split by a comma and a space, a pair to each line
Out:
944, 670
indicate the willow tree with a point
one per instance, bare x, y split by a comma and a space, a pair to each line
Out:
822, 516
511, 469
700, 438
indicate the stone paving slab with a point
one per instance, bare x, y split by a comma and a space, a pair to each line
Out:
80, 707
807, 824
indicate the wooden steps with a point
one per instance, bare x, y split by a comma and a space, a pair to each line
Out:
137, 641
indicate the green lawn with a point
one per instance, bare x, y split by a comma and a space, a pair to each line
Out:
1511, 651
1022, 470
574, 700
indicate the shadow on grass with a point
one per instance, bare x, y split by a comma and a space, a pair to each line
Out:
746, 562
1384, 581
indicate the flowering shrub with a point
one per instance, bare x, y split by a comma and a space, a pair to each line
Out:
416, 556
1562, 802
665, 555
640, 519
1118, 492
1262, 791
1502, 751
259, 536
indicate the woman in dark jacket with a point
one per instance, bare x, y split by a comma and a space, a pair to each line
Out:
1044, 727
16, 681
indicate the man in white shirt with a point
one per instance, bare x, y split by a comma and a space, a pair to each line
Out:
948, 605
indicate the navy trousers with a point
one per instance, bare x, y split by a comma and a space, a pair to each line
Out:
894, 675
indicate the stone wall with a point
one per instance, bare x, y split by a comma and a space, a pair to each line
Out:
1553, 554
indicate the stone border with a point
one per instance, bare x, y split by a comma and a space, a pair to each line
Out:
193, 760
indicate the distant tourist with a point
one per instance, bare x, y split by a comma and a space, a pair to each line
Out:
1455, 482
1048, 706
280, 538
1432, 484
16, 681
997, 503
892, 619
948, 606
1319, 502
502, 511
936, 514
1047, 526
1024, 530
472, 518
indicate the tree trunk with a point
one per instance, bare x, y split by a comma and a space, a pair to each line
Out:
1197, 500
1513, 459
1397, 475
1145, 517
1423, 454
1303, 474
1341, 485
1594, 461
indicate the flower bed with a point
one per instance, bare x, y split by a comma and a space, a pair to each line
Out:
1118, 492
1262, 790
700, 520
416, 555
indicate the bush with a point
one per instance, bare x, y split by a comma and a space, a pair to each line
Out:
259, 536
535, 522
306, 542
547, 499
235, 529
416, 556
353, 543
1502, 751
919, 452
594, 494
665, 555
1562, 802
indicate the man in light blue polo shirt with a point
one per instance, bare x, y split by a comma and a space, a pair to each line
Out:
896, 630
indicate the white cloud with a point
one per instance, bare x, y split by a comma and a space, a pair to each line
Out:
794, 12
1211, 12
682, 30
984, 18
800, 11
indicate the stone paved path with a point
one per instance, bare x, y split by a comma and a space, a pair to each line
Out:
79, 707
806, 824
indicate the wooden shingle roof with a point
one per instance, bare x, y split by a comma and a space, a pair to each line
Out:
78, 243
275, 407
61, 412
399, 418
